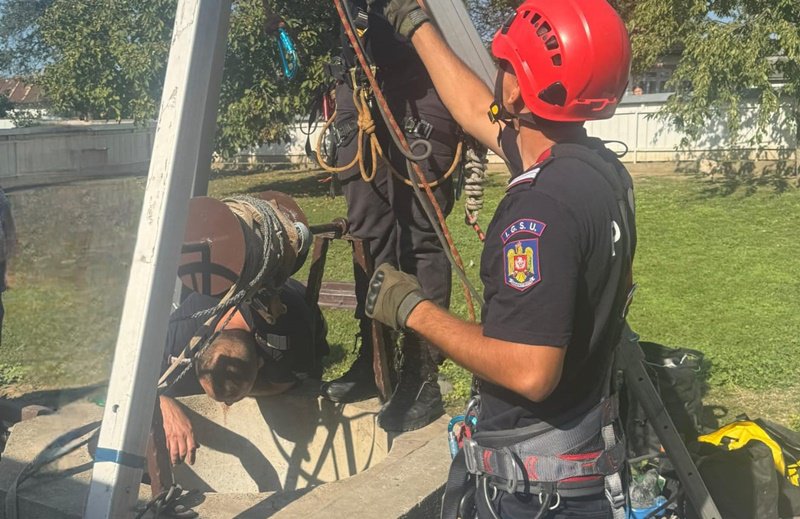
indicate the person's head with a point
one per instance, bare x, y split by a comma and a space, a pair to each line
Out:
561, 62
227, 368
638, 90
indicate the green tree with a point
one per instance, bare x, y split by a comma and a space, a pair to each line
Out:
731, 51
21, 48
106, 59
5, 105
256, 104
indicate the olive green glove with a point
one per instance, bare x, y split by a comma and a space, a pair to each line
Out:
405, 16
392, 296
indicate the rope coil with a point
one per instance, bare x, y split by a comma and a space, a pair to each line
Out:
366, 129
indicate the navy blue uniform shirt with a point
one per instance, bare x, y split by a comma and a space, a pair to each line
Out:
550, 271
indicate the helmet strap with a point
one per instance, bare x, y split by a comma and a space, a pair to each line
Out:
498, 112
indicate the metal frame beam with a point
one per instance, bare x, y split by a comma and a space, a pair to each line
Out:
181, 150
456, 26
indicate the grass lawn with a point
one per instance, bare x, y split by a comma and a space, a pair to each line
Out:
716, 273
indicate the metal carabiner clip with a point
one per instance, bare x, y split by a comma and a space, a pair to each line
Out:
288, 54
473, 405
545, 498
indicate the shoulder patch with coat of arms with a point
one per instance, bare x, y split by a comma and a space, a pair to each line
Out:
521, 257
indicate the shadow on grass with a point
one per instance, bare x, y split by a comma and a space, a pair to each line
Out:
303, 184
734, 172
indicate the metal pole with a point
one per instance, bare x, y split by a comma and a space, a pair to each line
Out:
453, 20
203, 171
191, 89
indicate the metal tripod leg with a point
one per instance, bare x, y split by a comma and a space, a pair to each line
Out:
453, 20
380, 360
180, 153
323, 234
631, 360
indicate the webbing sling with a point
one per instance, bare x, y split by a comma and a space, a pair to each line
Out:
549, 467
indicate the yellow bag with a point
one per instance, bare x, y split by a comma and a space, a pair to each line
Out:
738, 434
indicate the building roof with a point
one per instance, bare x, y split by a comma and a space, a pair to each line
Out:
21, 93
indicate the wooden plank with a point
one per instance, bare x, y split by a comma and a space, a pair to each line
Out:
338, 295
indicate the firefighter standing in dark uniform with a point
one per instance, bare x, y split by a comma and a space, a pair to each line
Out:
386, 214
557, 257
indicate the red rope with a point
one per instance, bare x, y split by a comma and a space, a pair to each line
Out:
473, 222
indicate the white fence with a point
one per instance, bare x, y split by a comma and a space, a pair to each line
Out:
42, 155
651, 139
647, 137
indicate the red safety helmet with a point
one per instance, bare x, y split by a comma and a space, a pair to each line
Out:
572, 58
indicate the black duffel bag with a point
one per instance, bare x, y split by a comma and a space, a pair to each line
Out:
677, 375
743, 482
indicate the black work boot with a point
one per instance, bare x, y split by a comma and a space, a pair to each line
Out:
358, 383
417, 399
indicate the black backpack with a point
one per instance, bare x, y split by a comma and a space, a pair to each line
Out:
676, 374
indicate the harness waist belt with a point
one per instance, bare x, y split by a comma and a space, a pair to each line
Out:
541, 455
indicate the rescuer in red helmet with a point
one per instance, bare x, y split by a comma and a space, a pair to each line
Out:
556, 266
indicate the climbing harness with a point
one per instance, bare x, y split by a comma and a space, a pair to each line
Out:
366, 128
336, 134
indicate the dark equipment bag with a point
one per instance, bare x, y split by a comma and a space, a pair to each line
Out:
742, 482
728, 472
676, 374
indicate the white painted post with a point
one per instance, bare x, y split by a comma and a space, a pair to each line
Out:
191, 89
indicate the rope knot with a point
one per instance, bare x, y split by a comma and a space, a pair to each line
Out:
366, 122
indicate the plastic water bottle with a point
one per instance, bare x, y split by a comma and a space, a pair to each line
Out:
645, 491
645, 495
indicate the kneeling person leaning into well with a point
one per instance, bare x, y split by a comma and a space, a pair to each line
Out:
248, 358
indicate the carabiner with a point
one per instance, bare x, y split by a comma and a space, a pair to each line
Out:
288, 54
473, 405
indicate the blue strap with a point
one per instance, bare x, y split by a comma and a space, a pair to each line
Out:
120, 458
